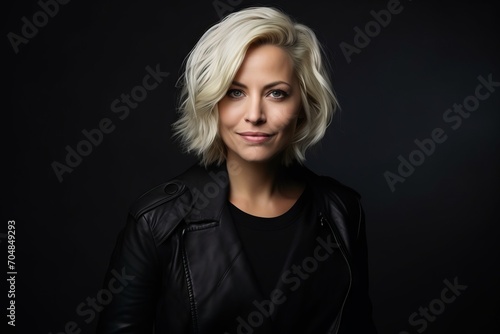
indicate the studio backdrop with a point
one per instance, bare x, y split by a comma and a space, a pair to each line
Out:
91, 91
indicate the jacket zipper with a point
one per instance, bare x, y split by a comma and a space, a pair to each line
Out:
323, 221
194, 313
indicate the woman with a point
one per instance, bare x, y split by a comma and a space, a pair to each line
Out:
249, 240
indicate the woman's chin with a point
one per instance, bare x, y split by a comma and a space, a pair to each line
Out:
256, 157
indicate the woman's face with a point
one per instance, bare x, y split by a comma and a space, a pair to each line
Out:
258, 115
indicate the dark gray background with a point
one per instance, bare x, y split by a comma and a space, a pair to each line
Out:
439, 224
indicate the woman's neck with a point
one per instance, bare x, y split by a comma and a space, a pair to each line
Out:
261, 188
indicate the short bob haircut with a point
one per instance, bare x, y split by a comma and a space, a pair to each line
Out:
212, 64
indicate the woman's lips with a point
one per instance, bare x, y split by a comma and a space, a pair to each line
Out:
255, 137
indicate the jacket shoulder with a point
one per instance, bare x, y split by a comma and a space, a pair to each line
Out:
346, 197
332, 184
163, 207
156, 197
165, 193
177, 193
329, 184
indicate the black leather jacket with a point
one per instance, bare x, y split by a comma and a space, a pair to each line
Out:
176, 267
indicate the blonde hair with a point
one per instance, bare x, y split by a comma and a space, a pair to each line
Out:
213, 62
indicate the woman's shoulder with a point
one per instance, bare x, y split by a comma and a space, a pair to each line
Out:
163, 206
331, 191
334, 185
179, 189
329, 184
156, 196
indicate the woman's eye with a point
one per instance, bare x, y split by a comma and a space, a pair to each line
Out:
278, 94
235, 93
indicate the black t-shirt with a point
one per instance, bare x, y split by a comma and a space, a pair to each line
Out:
267, 241
295, 254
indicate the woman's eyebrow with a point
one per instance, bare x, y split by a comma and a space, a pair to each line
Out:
269, 85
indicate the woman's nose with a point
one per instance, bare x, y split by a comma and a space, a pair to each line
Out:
255, 111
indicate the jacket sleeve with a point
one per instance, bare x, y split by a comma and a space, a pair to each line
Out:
132, 280
359, 306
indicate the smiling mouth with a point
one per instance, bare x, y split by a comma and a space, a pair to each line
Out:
255, 137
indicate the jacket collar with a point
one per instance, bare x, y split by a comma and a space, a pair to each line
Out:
209, 190
209, 187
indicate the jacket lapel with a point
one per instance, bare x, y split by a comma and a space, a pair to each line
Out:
223, 282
